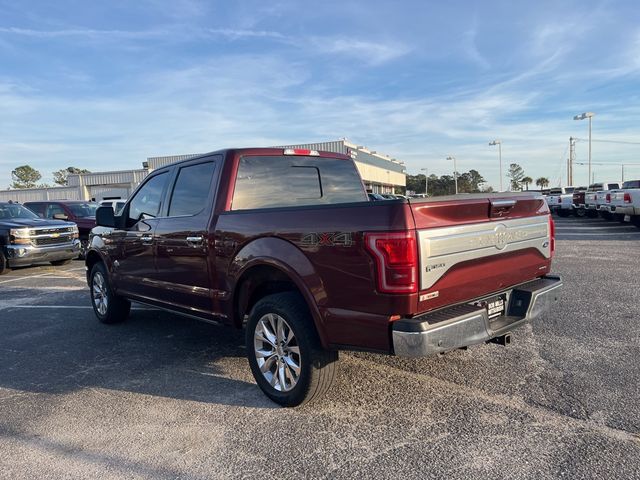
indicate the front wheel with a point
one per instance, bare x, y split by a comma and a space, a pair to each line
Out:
285, 354
108, 307
4, 265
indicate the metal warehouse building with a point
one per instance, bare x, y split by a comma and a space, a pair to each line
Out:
380, 173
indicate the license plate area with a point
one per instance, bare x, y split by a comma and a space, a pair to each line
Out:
495, 306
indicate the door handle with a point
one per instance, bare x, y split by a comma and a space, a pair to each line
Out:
194, 240
146, 238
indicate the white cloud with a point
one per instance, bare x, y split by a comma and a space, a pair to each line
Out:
373, 53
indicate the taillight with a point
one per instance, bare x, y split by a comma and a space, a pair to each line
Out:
396, 256
627, 197
559, 199
608, 198
552, 235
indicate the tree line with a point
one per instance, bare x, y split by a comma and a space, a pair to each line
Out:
470, 182
25, 176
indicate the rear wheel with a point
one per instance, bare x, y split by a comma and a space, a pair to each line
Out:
4, 265
563, 213
618, 217
579, 212
58, 263
592, 213
635, 219
108, 307
285, 354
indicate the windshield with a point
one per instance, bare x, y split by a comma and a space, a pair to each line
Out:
13, 210
83, 209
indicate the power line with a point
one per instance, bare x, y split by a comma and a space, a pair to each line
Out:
623, 142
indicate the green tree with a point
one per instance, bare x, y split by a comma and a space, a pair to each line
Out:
515, 174
25, 176
526, 181
542, 182
60, 176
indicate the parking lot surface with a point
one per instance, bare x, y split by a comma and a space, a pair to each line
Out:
166, 397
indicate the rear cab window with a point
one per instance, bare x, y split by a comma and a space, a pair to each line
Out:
290, 181
631, 184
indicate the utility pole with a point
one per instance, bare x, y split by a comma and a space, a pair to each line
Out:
572, 157
455, 171
499, 144
426, 180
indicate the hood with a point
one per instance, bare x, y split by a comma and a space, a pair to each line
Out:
33, 222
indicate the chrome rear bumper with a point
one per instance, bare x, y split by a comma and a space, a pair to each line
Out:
467, 324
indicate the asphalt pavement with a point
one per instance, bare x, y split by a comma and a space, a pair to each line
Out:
162, 396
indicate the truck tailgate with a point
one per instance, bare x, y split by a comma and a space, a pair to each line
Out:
473, 245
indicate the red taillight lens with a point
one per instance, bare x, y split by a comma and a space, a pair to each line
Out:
552, 235
627, 197
396, 256
608, 198
559, 199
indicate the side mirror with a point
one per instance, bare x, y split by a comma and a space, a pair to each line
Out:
60, 216
105, 217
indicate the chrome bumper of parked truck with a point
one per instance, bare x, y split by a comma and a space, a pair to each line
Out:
463, 325
25, 255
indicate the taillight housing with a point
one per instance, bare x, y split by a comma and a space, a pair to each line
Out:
396, 257
627, 197
552, 235
608, 198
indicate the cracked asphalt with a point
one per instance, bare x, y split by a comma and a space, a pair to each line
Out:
166, 397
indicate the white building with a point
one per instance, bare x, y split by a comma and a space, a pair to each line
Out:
380, 173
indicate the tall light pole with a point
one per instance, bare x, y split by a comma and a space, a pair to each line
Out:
455, 171
499, 144
426, 181
582, 116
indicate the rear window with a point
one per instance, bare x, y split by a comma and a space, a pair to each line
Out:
631, 184
283, 181
569, 189
555, 191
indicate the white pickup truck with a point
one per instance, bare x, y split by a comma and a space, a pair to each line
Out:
560, 200
596, 197
627, 202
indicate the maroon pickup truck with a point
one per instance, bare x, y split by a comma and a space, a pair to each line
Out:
286, 244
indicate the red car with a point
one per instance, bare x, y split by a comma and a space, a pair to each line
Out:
286, 244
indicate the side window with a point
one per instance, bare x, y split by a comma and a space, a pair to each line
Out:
148, 199
37, 208
191, 189
54, 209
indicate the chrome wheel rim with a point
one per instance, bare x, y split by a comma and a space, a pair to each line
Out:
277, 352
100, 296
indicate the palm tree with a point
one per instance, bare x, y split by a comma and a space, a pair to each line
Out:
542, 182
526, 181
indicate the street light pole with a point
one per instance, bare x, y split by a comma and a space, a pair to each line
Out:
455, 171
426, 180
583, 116
499, 143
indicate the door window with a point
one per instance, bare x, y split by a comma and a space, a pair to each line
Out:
147, 201
37, 208
55, 209
191, 190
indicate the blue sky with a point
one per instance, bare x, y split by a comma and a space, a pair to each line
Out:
103, 85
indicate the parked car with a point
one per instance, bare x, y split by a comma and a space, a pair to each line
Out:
560, 200
115, 204
81, 213
627, 202
319, 268
376, 197
587, 202
26, 239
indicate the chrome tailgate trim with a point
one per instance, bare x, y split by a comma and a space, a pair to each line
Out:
442, 248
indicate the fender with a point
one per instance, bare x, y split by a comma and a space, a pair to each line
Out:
289, 259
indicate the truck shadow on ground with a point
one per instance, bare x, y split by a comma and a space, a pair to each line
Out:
153, 353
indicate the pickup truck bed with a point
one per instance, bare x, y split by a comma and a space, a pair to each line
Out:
322, 264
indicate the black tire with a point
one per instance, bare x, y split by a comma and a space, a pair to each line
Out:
592, 213
606, 215
59, 263
116, 309
4, 265
618, 217
563, 213
317, 366
635, 220
84, 246
579, 212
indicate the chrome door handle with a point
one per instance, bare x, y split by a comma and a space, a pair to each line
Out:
146, 238
194, 240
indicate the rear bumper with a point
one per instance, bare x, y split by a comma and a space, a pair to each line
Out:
628, 210
466, 324
25, 255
